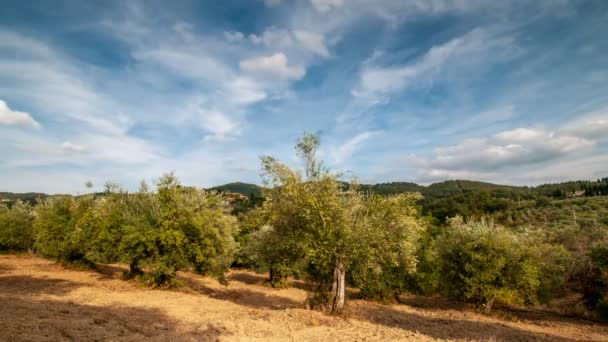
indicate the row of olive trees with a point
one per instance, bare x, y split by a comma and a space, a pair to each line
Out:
310, 227
156, 234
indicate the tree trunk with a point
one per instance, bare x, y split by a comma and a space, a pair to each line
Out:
338, 287
489, 304
278, 277
134, 269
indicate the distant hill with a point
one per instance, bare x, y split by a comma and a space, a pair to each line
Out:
454, 187
441, 189
31, 197
435, 191
241, 188
392, 188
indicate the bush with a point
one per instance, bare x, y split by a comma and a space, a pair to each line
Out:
595, 282
16, 228
391, 228
177, 228
64, 229
481, 262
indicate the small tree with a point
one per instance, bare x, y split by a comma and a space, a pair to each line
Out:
65, 229
16, 227
176, 228
480, 262
595, 281
318, 228
390, 228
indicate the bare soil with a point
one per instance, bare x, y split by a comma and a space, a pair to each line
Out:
41, 301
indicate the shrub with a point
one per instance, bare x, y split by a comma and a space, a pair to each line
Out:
318, 228
595, 282
481, 262
391, 228
16, 228
176, 228
64, 230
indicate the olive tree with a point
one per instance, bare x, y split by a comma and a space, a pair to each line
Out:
390, 228
595, 281
322, 230
480, 262
176, 228
16, 227
65, 229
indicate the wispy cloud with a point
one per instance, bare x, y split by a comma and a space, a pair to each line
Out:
326, 5
344, 151
15, 117
472, 89
273, 67
378, 83
522, 149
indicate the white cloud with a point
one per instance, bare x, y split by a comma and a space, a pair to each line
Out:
185, 63
234, 36
489, 158
52, 84
465, 54
220, 125
493, 115
344, 151
245, 91
13, 117
326, 5
273, 37
313, 42
274, 67
69, 147
302, 40
522, 135
593, 125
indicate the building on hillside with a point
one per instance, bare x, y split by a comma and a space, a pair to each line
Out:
234, 196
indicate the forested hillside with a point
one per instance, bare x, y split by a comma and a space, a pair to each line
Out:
31, 197
241, 188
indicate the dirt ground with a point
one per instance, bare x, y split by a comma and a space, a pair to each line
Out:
41, 301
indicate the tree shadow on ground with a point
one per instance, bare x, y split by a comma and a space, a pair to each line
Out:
242, 296
248, 278
25, 317
436, 303
445, 328
28, 285
262, 279
109, 272
5, 268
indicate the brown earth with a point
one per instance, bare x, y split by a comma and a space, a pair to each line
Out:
41, 301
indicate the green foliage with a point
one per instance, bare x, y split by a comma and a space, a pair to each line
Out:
16, 227
240, 188
595, 281
390, 228
155, 233
10, 198
481, 262
313, 226
65, 229
393, 188
176, 228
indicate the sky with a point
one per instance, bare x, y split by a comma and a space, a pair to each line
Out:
511, 92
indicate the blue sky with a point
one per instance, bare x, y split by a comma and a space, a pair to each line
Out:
511, 92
